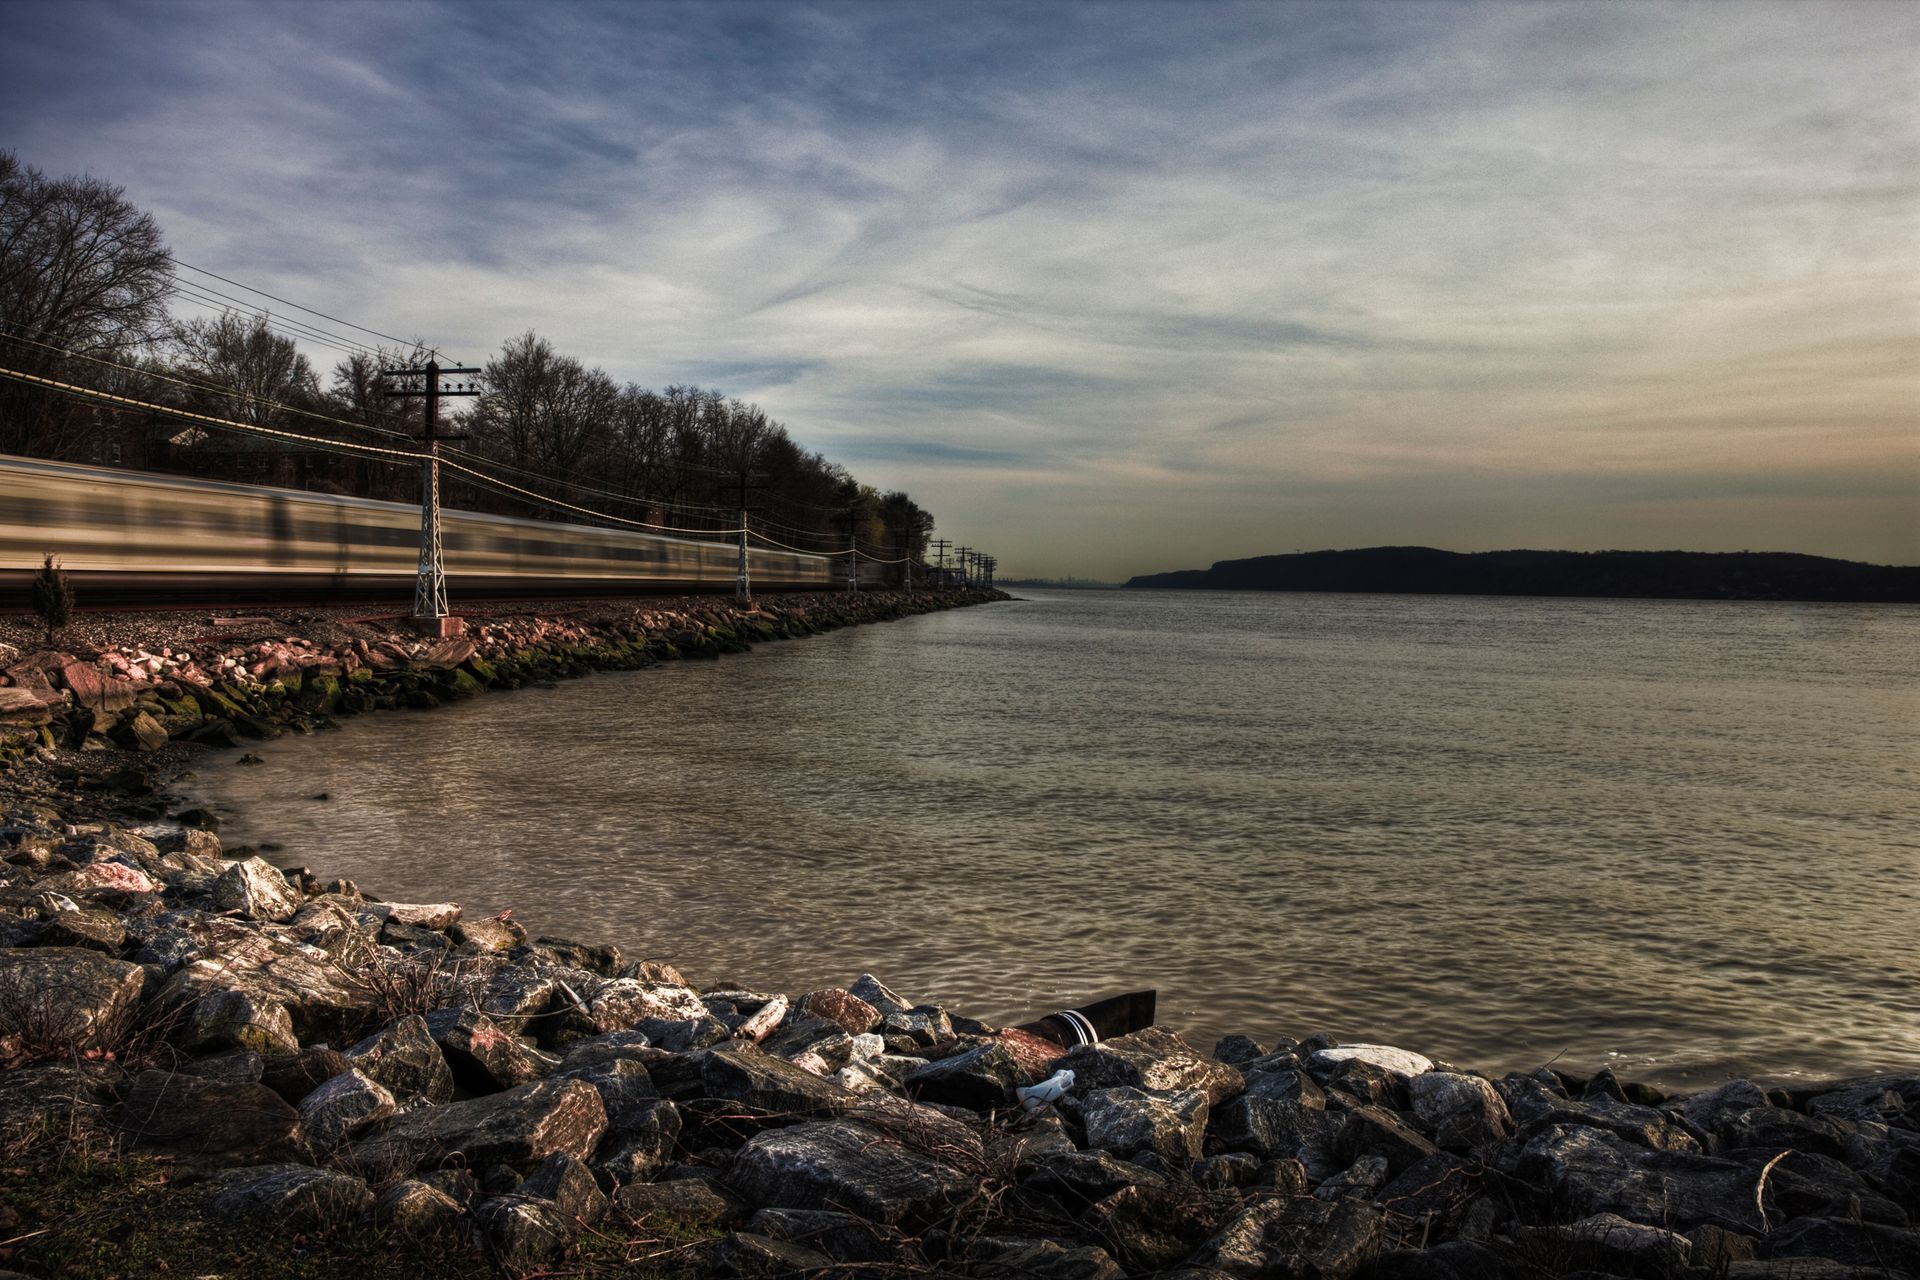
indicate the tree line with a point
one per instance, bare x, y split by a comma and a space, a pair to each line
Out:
88, 296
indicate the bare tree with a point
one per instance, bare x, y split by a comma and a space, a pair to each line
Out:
640, 461
577, 407
82, 270
248, 373
506, 418
358, 394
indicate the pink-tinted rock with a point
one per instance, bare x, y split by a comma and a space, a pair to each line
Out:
843, 1008
23, 706
101, 875
94, 690
449, 653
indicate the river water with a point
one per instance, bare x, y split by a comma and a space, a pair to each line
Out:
1678, 838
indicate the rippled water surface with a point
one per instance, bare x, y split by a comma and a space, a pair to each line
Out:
1681, 838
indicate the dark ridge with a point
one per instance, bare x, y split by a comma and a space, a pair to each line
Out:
1660, 575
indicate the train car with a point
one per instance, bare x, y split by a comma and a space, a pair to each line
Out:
139, 535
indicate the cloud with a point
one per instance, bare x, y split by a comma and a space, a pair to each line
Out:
1085, 277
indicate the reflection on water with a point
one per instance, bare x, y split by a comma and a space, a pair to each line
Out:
1500, 831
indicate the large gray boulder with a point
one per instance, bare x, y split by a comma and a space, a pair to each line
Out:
1535, 1106
769, 1089
1593, 1171
291, 1196
1155, 1059
515, 995
1703, 1110
403, 1057
1127, 1121
847, 1166
982, 1078
484, 1057
523, 1232
1321, 1239
240, 1020
1461, 1111
877, 995
680, 1203
1272, 1129
256, 890
342, 1107
569, 1186
416, 1209
65, 1000
210, 1122
520, 1128
616, 1004
324, 1002
641, 1145
625, 1089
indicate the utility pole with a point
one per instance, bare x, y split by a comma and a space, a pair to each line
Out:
853, 548
430, 612
964, 554
940, 546
742, 588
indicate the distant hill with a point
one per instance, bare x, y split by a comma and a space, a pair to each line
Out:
1673, 575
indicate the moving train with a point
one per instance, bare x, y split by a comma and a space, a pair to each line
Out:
138, 535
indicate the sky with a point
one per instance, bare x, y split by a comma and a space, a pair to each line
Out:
1109, 288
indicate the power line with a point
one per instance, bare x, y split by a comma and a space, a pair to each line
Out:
336, 445
404, 342
285, 327
449, 455
252, 398
214, 387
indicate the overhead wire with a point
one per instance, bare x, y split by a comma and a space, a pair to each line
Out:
404, 342
249, 428
197, 293
205, 295
253, 398
286, 326
351, 448
214, 387
189, 415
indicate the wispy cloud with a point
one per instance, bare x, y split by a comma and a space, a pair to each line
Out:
1126, 287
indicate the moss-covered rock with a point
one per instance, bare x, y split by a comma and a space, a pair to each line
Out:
322, 693
215, 703
461, 685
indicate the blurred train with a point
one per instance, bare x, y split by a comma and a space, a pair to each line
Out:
125, 535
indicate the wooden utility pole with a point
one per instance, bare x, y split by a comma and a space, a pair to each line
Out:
430, 611
940, 546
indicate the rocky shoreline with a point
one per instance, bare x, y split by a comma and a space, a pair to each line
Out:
211, 1065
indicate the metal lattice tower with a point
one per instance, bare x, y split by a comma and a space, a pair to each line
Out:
430, 583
